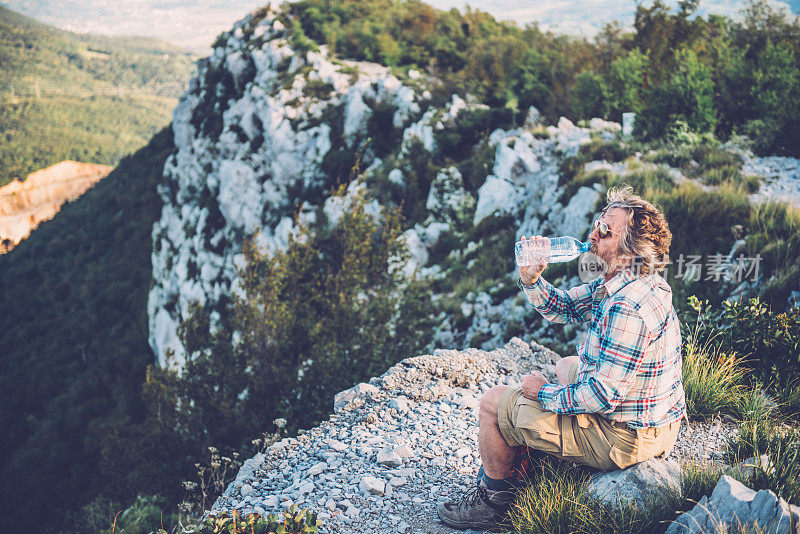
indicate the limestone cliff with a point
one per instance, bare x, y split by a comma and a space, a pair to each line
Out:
258, 133
23, 205
266, 131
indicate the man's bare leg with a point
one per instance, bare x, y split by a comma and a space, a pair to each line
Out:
485, 509
563, 366
496, 455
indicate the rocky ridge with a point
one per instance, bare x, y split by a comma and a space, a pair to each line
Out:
396, 446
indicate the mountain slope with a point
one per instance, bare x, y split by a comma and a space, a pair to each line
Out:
73, 327
80, 97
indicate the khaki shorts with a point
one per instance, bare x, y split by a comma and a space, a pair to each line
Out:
589, 439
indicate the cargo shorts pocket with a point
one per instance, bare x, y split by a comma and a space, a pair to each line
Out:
571, 426
541, 428
624, 457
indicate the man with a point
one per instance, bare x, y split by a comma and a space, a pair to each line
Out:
621, 400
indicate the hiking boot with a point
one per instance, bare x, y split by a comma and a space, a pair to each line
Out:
479, 508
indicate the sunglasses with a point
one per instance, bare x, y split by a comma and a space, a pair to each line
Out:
604, 231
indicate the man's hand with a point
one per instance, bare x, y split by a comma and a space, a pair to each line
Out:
531, 384
537, 247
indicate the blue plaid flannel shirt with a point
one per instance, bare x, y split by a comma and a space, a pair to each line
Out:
630, 364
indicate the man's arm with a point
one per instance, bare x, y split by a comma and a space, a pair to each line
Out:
558, 305
623, 340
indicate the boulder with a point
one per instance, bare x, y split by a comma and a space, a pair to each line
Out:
638, 485
388, 457
372, 485
359, 391
732, 504
495, 194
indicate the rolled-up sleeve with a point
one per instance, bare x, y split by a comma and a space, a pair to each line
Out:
560, 306
624, 337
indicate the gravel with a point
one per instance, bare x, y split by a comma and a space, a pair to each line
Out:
382, 465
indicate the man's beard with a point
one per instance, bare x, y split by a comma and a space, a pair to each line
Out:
613, 261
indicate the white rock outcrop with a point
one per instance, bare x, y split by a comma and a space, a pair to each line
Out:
733, 505
256, 134
240, 155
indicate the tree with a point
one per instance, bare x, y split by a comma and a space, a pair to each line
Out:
694, 91
587, 95
624, 84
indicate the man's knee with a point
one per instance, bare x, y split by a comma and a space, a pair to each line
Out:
563, 367
490, 401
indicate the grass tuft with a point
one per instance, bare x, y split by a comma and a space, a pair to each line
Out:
712, 380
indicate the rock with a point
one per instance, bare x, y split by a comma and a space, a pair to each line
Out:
493, 195
388, 457
467, 401
417, 250
372, 485
533, 117
336, 445
448, 201
23, 205
748, 468
246, 490
399, 403
574, 219
318, 468
271, 502
638, 485
359, 391
404, 451
396, 177
732, 504
601, 125
463, 451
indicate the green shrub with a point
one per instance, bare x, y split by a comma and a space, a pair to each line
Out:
477, 166
317, 89
600, 149
647, 180
587, 96
770, 340
294, 521
700, 221
383, 134
721, 175
774, 236
711, 156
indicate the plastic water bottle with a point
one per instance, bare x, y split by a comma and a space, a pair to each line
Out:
558, 250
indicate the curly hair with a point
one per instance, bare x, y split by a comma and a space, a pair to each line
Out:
647, 236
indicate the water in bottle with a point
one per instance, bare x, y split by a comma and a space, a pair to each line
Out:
556, 250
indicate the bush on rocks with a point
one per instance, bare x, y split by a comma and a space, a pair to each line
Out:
294, 521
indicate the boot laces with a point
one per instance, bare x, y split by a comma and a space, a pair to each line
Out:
472, 497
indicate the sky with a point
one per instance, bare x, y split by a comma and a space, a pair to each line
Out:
194, 25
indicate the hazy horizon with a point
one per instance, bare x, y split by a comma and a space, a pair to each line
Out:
194, 26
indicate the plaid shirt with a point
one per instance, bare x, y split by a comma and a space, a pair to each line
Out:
630, 364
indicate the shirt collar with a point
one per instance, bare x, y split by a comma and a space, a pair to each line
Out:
619, 281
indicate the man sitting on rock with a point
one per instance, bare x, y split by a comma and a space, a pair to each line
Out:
621, 400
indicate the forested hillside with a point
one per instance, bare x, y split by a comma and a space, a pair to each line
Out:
80, 97
73, 327
714, 74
